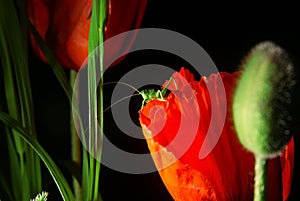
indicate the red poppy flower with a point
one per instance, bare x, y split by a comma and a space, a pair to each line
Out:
227, 172
64, 25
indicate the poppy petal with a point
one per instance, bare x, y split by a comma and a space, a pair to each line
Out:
228, 170
64, 25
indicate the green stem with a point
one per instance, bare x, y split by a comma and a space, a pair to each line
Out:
261, 172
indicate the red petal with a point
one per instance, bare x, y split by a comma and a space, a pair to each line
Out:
287, 165
64, 25
229, 167
182, 77
183, 182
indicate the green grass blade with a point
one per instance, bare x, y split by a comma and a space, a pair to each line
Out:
10, 88
64, 81
55, 172
85, 173
75, 148
92, 94
96, 38
18, 90
53, 62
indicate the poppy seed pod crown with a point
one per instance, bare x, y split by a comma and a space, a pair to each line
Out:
262, 101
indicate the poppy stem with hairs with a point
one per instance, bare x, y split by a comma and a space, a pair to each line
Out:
260, 188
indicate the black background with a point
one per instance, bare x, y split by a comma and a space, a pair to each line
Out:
226, 32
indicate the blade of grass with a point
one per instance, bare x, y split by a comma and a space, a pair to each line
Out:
14, 43
102, 18
55, 172
9, 87
96, 38
85, 173
88, 175
20, 191
13, 109
15, 145
65, 83
53, 62
92, 97
63, 80
75, 147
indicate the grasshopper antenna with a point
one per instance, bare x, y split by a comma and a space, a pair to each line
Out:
164, 90
120, 100
123, 83
124, 98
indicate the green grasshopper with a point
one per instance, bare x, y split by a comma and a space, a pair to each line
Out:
147, 94
151, 94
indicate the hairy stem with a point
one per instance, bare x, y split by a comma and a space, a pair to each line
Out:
260, 186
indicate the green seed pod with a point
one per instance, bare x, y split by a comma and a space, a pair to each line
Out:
262, 101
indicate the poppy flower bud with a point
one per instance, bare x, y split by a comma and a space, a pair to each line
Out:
262, 101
